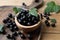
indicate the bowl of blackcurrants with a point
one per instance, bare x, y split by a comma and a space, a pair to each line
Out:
26, 21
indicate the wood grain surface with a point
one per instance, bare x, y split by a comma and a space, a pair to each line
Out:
49, 33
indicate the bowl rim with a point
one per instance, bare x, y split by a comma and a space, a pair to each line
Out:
23, 26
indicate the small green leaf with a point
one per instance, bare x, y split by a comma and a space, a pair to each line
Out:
56, 8
51, 4
48, 10
1, 27
52, 7
53, 20
33, 11
19, 9
15, 10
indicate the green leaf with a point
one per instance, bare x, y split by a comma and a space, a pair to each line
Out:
1, 27
33, 11
48, 10
56, 8
15, 10
52, 7
53, 20
19, 9
51, 4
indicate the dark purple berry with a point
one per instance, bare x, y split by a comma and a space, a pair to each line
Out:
8, 25
36, 1
19, 20
47, 24
46, 21
47, 18
10, 15
24, 4
53, 25
28, 23
15, 34
22, 36
16, 28
41, 16
19, 33
12, 30
8, 36
29, 36
13, 23
4, 32
45, 15
13, 37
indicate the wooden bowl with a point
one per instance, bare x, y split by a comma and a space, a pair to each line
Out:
26, 28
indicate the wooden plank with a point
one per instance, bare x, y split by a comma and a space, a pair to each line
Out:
51, 37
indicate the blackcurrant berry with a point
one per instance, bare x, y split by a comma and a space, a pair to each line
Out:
15, 34
23, 4
4, 32
30, 36
36, 1
48, 24
53, 25
45, 15
4, 21
16, 28
19, 33
19, 20
46, 21
41, 16
47, 18
28, 24
8, 25
13, 37
22, 36
8, 36
12, 29
10, 15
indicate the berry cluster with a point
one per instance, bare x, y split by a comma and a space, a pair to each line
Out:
10, 23
27, 19
47, 20
47, 23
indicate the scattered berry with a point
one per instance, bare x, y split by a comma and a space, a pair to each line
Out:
22, 36
48, 24
10, 15
8, 36
47, 18
15, 34
53, 25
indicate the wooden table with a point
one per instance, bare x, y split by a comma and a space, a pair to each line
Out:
49, 33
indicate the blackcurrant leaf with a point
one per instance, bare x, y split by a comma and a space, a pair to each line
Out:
1, 28
56, 8
51, 4
33, 11
53, 20
15, 10
19, 9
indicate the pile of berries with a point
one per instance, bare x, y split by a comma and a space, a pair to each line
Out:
10, 23
24, 18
